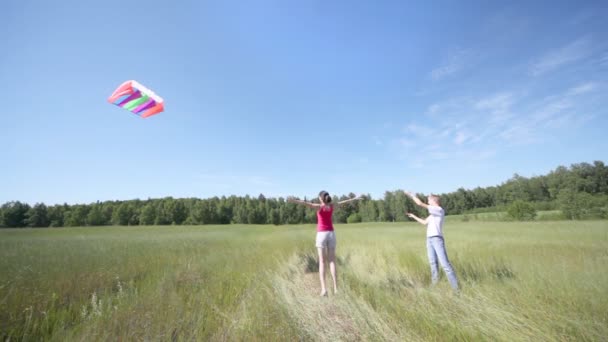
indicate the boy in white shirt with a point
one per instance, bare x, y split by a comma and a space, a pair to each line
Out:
435, 244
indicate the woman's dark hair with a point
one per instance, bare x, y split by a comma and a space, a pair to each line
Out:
325, 196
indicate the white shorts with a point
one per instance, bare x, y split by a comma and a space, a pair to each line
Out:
326, 239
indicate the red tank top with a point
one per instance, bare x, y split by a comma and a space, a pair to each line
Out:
324, 223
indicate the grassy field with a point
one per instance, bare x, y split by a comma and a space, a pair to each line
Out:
537, 281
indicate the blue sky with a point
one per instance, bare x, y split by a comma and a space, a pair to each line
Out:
292, 97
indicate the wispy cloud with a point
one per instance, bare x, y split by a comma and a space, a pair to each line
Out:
406, 142
519, 133
419, 130
582, 89
551, 109
498, 106
460, 138
455, 61
604, 59
569, 53
476, 128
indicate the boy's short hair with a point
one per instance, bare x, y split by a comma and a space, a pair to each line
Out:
436, 198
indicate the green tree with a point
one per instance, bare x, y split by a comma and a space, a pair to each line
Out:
135, 212
55, 215
310, 214
354, 218
460, 201
76, 216
204, 212
107, 210
95, 216
483, 197
148, 214
121, 216
575, 205
539, 190
275, 216
289, 214
164, 215
392, 206
382, 211
600, 177
14, 214
38, 216
256, 213
521, 211
224, 211
559, 179
178, 211
368, 210
240, 213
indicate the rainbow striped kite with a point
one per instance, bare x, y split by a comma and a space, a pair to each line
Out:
137, 99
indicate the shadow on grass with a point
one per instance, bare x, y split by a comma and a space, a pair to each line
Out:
310, 262
476, 272
397, 283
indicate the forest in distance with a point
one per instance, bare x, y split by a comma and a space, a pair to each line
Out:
579, 191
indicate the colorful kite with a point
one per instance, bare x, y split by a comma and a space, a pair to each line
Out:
137, 99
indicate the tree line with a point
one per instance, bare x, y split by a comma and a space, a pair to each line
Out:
579, 191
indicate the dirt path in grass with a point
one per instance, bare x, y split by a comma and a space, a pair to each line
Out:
335, 317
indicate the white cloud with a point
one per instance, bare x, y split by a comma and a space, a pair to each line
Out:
419, 130
452, 110
456, 61
433, 147
582, 89
433, 109
498, 106
550, 110
604, 59
496, 102
558, 121
406, 142
570, 53
475, 129
438, 155
460, 138
519, 133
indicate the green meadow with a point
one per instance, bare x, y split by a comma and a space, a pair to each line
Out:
534, 281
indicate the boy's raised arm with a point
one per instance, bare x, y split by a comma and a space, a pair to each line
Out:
416, 199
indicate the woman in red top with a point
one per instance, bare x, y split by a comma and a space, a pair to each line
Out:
326, 237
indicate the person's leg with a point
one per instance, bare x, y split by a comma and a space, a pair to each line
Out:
432, 261
442, 255
322, 269
331, 253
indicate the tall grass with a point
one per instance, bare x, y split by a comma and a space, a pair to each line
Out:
520, 281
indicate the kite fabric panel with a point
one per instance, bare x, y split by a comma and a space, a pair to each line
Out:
139, 100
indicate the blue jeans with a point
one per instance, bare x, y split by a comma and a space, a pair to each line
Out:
435, 247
